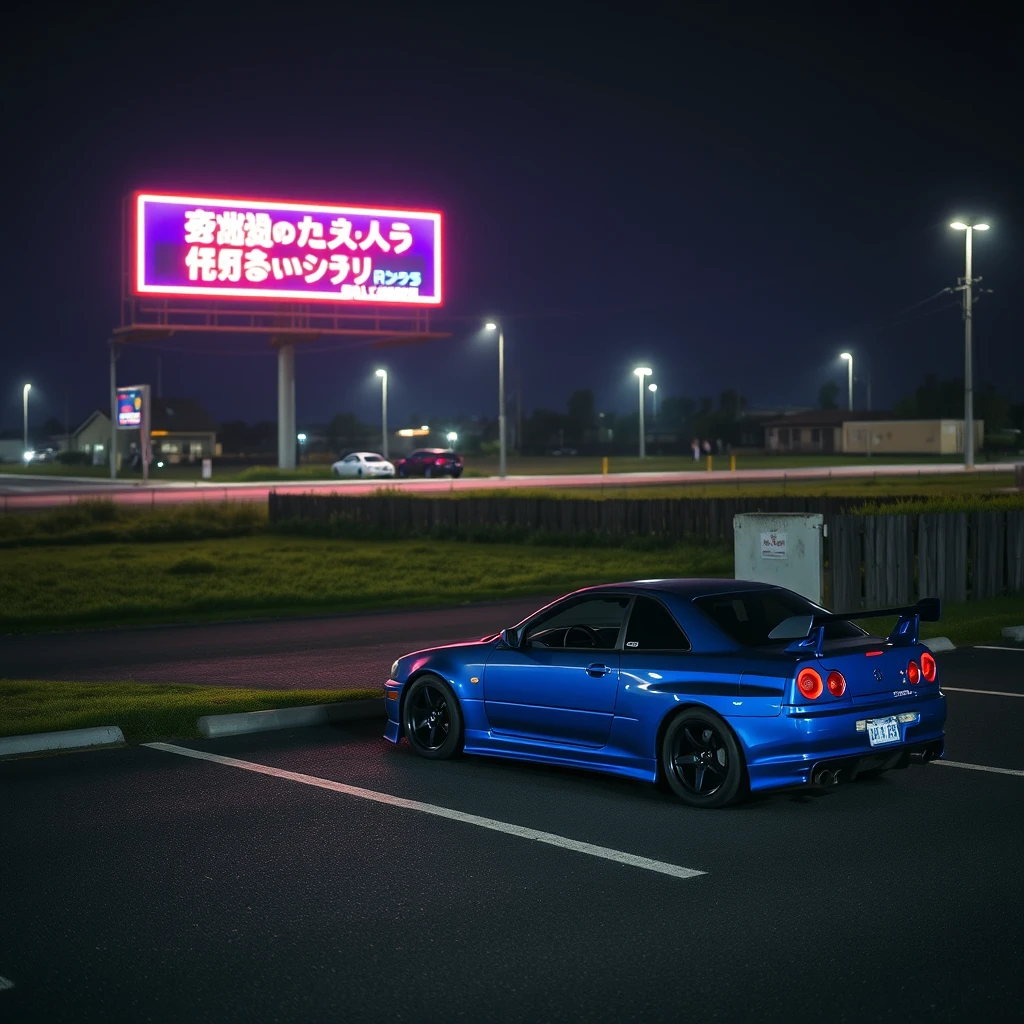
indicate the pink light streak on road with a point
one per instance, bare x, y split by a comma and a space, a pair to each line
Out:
83, 489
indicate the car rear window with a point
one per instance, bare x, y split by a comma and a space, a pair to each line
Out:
372, 458
749, 616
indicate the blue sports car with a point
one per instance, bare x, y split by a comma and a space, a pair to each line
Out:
718, 687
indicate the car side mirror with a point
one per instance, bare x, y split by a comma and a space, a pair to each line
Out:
510, 637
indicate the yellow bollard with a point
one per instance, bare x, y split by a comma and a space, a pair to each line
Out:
709, 463
732, 463
604, 465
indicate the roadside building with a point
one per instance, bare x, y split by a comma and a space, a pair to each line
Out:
839, 431
181, 430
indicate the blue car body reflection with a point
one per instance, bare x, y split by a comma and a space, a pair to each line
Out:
594, 681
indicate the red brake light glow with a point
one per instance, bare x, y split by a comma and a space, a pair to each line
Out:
873, 654
808, 682
836, 684
928, 666
913, 673
438, 462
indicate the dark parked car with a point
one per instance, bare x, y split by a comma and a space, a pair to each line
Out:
430, 462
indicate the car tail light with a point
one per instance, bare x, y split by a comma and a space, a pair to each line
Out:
808, 682
836, 684
438, 462
913, 672
928, 666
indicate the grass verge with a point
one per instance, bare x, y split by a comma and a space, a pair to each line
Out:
50, 588
144, 711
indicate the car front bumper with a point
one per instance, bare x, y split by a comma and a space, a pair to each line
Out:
392, 700
802, 743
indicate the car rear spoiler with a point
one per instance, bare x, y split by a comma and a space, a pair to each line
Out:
810, 629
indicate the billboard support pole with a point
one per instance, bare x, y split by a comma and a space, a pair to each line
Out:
113, 409
286, 439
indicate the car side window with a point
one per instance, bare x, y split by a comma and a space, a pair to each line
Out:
352, 458
588, 623
652, 628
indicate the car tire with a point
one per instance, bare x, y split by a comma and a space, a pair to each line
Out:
428, 471
359, 472
402, 473
432, 718
456, 474
701, 759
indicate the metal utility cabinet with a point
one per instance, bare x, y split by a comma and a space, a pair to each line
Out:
781, 548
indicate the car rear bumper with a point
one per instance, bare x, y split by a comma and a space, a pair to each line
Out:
808, 747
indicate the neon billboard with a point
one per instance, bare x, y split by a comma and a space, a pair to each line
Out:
209, 247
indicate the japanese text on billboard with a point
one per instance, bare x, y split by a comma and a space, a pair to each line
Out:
129, 408
240, 248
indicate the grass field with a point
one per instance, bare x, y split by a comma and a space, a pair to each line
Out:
864, 487
60, 587
143, 711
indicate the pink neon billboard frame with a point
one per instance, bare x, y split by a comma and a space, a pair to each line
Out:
218, 291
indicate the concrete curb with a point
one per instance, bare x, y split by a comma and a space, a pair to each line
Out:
66, 739
212, 726
1014, 633
938, 644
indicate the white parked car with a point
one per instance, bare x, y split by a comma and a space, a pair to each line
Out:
364, 464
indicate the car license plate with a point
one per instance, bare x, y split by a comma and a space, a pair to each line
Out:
883, 730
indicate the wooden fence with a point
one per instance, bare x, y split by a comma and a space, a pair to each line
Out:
703, 520
875, 561
871, 560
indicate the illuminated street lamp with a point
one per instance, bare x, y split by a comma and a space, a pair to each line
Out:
641, 372
492, 325
452, 437
968, 290
24, 404
849, 359
653, 388
383, 374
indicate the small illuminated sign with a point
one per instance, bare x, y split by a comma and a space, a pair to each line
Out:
129, 408
212, 247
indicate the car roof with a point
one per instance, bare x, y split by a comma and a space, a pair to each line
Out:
363, 454
687, 588
435, 451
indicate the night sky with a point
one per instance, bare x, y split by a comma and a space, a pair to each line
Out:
733, 199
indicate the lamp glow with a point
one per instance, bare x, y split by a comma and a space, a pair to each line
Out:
958, 225
652, 387
452, 436
643, 371
382, 373
981, 227
845, 355
490, 326
424, 427
302, 438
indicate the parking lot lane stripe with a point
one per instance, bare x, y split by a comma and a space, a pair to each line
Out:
979, 767
604, 852
5, 983
988, 693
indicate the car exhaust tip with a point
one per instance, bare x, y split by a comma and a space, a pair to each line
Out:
824, 777
837, 778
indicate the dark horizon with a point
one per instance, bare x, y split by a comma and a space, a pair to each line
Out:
731, 199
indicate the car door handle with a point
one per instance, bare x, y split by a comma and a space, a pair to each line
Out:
597, 670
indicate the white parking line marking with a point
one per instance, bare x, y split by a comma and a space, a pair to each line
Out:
5, 983
990, 647
990, 693
604, 852
979, 767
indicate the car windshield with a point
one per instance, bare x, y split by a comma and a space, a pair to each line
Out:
749, 616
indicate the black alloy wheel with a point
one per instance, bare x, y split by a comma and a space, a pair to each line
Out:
701, 759
432, 718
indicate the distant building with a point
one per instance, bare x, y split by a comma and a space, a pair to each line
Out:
839, 431
181, 430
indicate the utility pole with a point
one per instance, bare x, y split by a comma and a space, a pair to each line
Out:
968, 290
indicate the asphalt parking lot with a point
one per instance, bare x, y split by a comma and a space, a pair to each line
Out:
328, 875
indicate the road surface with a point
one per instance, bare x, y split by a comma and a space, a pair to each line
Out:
324, 875
23, 492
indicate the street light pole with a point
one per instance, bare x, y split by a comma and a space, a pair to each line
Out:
653, 388
848, 356
968, 290
641, 372
493, 326
383, 374
24, 402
